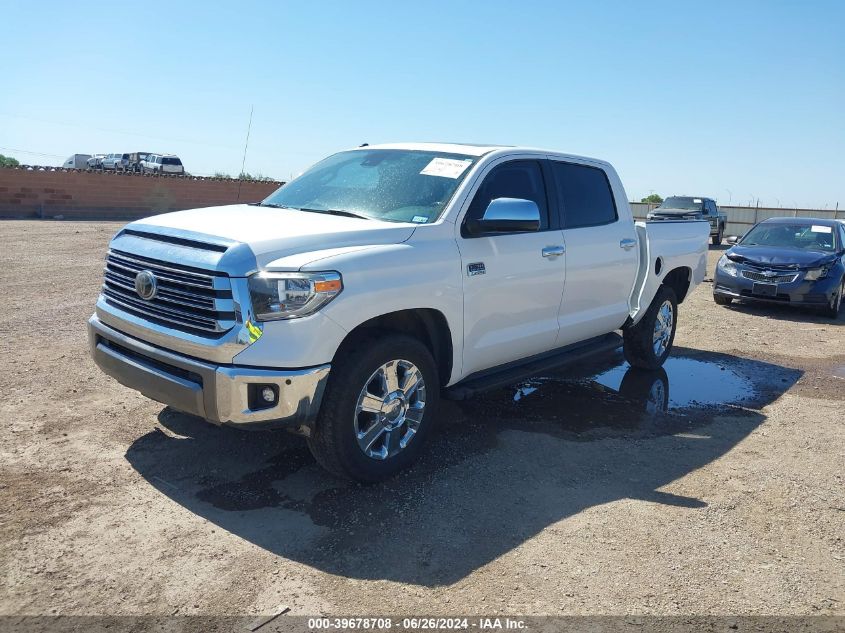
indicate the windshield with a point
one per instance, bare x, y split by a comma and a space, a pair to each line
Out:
685, 204
810, 237
384, 184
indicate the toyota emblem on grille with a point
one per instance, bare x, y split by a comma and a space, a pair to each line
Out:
146, 285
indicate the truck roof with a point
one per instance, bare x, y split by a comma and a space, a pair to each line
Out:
691, 197
472, 149
453, 148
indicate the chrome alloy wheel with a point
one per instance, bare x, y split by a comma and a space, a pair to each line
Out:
390, 409
663, 328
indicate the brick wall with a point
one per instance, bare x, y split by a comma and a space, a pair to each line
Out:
31, 192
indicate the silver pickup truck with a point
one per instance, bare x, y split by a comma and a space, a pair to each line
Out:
344, 304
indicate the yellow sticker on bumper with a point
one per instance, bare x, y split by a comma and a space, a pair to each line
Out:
254, 332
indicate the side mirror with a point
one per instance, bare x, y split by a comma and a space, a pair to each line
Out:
732, 239
507, 215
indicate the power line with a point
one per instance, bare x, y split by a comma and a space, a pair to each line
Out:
113, 131
23, 151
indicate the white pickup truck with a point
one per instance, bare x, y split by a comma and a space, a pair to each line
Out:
344, 305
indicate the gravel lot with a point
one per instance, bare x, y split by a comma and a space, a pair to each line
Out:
561, 496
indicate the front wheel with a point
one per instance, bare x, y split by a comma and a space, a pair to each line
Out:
833, 308
378, 408
716, 240
722, 300
648, 343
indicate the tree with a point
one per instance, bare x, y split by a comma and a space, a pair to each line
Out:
653, 199
245, 175
8, 161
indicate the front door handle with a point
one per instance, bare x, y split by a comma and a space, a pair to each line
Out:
627, 243
553, 251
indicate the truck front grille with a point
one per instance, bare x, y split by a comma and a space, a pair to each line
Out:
187, 298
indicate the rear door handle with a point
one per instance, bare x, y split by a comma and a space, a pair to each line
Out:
627, 243
553, 251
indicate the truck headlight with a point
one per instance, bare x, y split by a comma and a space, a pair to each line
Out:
816, 273
727, 266
291, 295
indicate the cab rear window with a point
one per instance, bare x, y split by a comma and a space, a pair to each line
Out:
584, 195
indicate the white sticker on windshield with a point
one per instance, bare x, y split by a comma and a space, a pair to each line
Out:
820, 229
446, 167
419, 219
697, 200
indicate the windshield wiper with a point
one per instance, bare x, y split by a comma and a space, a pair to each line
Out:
275, 206
347, 214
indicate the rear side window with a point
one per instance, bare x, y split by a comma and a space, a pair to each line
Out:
584, 194
516, 179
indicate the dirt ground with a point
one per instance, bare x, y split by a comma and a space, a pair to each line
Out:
560, 496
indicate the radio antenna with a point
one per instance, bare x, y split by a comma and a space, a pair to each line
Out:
246, 144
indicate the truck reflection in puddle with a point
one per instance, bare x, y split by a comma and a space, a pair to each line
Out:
609, 396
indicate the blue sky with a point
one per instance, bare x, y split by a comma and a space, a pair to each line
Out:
737, 100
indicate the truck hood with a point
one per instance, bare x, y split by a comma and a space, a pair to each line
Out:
780, 257
273, 234
678, 212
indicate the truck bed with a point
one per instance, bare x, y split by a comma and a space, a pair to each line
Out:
664, 246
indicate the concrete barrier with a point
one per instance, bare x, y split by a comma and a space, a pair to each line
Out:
33, 192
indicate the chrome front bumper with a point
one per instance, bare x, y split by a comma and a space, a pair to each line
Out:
218, 393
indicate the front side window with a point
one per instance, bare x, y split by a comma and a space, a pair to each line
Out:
385, 184
584, 194
516, 179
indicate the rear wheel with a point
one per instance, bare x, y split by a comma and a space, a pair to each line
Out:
648, 343
378, 408
722, 300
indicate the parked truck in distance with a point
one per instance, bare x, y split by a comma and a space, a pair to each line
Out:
348, 302
693, 208
77, 161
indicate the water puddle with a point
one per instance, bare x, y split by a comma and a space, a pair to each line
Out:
839, 372
608, 396
690, 383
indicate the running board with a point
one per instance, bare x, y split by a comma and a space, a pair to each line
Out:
510, 373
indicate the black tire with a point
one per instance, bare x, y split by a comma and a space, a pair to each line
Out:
639, 346
716, 240
835, 306
722, 300
334, 442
